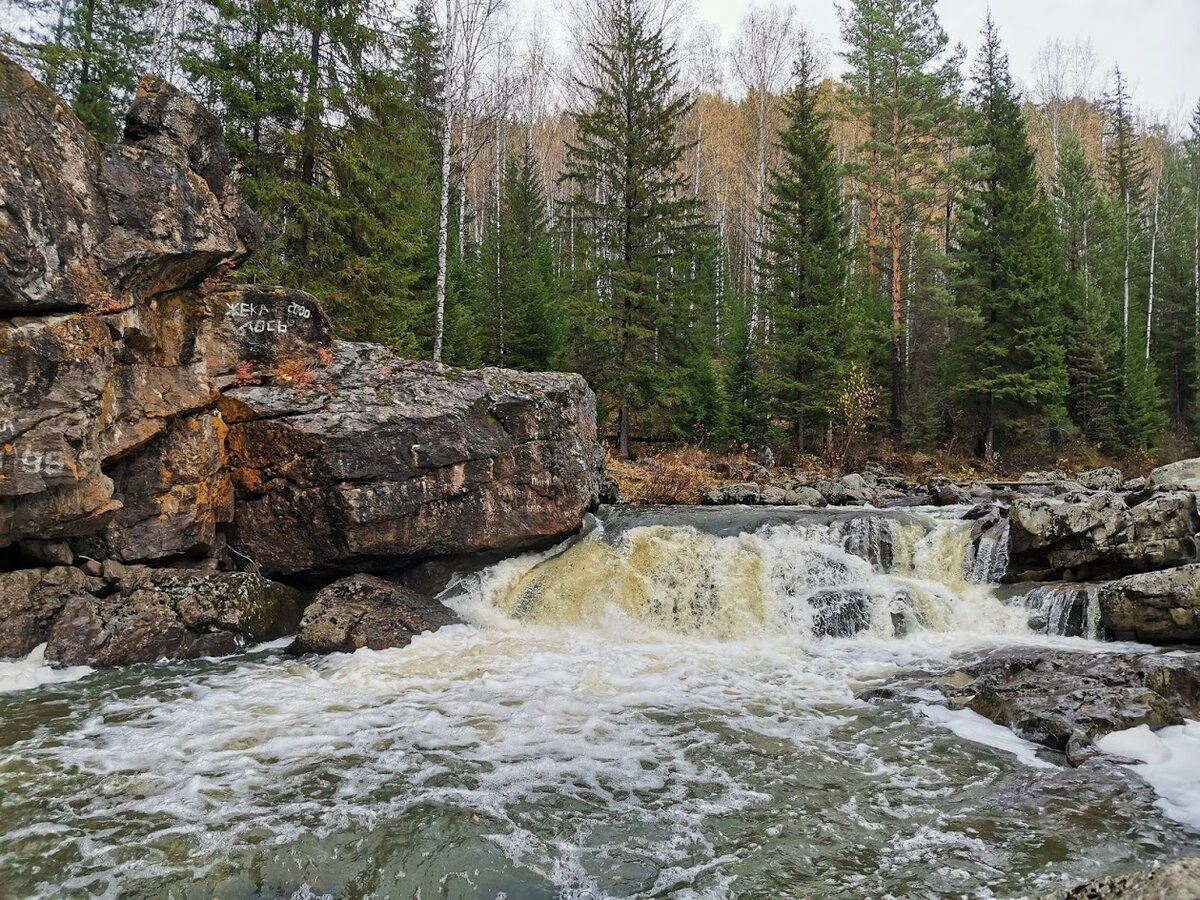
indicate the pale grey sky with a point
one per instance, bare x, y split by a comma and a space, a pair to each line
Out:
1156, 42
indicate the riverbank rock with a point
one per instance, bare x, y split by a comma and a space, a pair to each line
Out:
171, 614
365, 611
30, 601
396, 461
1096, 535
1177, 879
151, 410
743, 492
1154, 607
1063, 700
1183, 475
1103, 479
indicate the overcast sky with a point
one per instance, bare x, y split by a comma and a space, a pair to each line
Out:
1156, 42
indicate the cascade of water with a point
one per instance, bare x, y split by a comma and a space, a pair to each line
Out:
988, 561
1063, 610
871, 575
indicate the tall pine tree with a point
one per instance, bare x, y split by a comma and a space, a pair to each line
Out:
803, 262
1009, 275
635, 219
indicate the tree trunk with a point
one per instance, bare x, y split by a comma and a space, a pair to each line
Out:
443, 223
1153, 254
1196, 286
989, 440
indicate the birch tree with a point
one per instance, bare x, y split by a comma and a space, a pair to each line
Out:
467, 33
763, 57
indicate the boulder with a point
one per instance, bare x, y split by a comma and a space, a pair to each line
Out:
31, 599
853, 482
806, 496
1096, 535
1064, 699
158, 614
743, 492
1103, 479
946, 493
403, 461
779, 495
1177, 879
365, 611
1182, 475
1154, 607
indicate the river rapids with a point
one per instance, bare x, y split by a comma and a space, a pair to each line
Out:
663, 707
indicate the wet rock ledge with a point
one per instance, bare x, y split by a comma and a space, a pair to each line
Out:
170, 438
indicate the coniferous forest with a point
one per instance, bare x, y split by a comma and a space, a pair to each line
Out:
732, 246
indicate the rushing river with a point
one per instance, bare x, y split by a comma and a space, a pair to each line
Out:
663, 708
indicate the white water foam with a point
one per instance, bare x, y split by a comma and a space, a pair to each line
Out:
1170, 763
970, 726
33, 671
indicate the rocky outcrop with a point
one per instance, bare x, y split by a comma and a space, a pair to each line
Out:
108, 248
1182, 475
396, 461
365, 611
171, 614
154, 412
1063, 700
1178, 879
136, 614
1154, 607
1082, 536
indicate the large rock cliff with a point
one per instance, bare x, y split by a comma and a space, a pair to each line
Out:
153, 411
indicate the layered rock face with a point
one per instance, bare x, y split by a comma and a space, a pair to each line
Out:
154, 412
396, 461
1102, 534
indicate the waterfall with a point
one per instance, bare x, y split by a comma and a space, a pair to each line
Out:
872, 575
1066, 610
988, 561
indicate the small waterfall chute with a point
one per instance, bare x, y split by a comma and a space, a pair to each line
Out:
1063, 610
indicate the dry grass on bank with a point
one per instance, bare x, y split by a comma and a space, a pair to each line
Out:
682, 475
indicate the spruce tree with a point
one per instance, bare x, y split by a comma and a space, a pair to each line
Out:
636, 221
745, 418
803, 262
421, 69
375, 243
1009, 274
1094, 341
92, 55
517, 284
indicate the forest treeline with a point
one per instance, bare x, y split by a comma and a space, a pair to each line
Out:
730, 246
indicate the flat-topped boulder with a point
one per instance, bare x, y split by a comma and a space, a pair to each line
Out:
1154, 607
376, 461
1099, 535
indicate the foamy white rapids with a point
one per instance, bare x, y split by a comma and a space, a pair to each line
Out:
33, 671
663, 708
